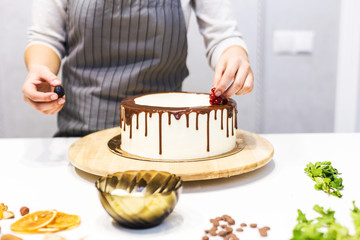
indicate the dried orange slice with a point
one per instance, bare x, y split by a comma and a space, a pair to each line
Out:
47, 230
33, 221
64, 220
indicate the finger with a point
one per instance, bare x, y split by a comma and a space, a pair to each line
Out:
30, 91
48, 76
227, 77
248, 85
219, 70
46, 107
239, 80
61, 102
56, 110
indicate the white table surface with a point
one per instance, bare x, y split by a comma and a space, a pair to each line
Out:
37, 173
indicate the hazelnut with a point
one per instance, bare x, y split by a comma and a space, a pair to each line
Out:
24, 211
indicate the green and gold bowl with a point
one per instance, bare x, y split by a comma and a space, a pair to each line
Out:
139, 199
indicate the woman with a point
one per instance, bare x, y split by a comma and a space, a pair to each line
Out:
112, 49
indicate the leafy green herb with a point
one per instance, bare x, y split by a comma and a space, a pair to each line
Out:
325, 177
355, 214
325, 227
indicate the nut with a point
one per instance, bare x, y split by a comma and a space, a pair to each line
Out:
253, 225
229, 229
263, 231
231, 237
213, 231
10, 237
228, 219
8, 214
222, 233
24, 211
214, 222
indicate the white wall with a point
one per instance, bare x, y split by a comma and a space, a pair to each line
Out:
295, 93
17, 118
292, 93
347, 105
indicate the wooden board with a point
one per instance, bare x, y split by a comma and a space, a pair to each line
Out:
91, 154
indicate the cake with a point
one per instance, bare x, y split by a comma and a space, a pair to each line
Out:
177, 125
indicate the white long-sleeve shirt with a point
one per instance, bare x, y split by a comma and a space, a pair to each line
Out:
215, 18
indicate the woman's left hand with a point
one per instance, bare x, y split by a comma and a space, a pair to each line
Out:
233, 65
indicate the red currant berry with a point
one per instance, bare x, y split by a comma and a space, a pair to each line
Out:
213, 90
216, 101
225, 101
212, 96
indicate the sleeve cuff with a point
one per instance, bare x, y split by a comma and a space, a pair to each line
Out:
222, 46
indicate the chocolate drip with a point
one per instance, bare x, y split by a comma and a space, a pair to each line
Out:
130, 130
222, 119
146, 124
187, 120
236, 118
208, 132
197, 121
215, 113
150, 114
227, 125
232, 126
160, 133
137, 120
177, 115
169, 114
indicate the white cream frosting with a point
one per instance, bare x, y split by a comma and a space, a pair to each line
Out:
177, 140
173, 100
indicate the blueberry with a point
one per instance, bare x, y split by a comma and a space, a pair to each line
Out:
59, 90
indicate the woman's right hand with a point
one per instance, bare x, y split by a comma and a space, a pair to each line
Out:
38, 90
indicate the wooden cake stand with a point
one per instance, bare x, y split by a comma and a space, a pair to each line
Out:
92, 154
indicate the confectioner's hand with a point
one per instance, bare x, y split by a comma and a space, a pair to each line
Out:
38, 90
233, 64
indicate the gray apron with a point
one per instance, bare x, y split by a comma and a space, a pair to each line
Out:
115, 49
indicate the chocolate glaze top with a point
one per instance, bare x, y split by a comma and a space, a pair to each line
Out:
133, 108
